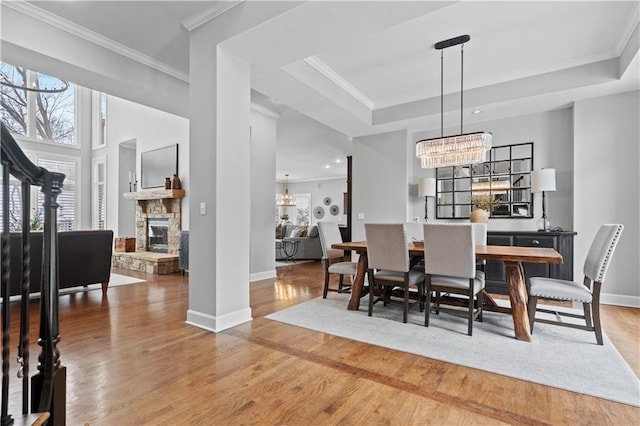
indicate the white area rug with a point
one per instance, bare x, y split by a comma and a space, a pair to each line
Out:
558, 356
114, 281
280, 263
117, 279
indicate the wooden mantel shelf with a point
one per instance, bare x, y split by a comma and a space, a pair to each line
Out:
154, 194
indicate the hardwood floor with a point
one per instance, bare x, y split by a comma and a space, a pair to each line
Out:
132, 360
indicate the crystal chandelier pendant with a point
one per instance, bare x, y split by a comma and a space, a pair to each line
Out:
462, 149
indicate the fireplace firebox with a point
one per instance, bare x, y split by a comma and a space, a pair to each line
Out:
158, 235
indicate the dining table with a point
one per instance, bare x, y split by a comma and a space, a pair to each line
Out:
512, 256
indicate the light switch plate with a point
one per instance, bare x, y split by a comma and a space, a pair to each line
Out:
203, 208
360, 216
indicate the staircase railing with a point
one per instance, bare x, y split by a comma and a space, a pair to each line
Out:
48, 384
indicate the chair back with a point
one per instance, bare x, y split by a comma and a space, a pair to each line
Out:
480, 233
601, 250
387, 246
450, 250
329, 235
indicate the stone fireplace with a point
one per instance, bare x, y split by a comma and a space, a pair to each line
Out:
158, 225
165, 216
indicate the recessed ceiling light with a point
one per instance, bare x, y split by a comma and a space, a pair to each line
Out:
338, 160
327, 166
477, 112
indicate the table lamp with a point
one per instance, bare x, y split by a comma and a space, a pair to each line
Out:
543, 180
426, 189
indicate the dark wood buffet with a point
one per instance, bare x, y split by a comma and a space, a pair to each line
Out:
562, 242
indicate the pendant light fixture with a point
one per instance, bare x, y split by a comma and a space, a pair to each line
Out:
456, 150
286, 200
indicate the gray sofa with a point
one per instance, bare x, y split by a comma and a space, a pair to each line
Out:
308, 246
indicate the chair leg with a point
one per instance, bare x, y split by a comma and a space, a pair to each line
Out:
470, 313
480, 304
421, 296
531, 307
326, 279
437, 303
427, 308
405, 313
596, 313
371, 287
586, 307
341, 282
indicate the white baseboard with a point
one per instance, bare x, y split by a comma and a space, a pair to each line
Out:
620, 300
218, 323
264, 275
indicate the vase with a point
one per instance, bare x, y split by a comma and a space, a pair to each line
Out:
479, 216
167, 183
176, 183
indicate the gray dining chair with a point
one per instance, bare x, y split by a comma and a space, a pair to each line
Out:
388, 257
333, 259
450, 267
480, 237
588, 293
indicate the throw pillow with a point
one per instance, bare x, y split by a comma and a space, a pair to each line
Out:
312, 232
295, 233
279, 231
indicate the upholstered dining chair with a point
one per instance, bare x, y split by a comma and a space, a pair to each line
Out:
388, 256
450, 267
588, 293
333, 259
480, 237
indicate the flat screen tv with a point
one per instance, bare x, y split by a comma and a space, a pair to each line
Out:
158, 164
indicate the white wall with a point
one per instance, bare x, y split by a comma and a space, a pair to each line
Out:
607, 187
332, 188
552, 137
263, 204
151, 129
126, 208
380, 180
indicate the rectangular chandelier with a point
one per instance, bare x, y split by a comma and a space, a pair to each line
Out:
469, 148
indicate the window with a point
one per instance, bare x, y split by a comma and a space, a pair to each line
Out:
67, 212
99, 202
67, 200
99, 113
37, 115
302, 209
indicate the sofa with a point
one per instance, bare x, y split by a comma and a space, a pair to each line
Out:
84, 258
308, 242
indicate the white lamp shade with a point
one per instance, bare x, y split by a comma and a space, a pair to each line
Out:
427, 187
543, 180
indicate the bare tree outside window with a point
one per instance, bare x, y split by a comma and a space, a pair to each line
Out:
42, 115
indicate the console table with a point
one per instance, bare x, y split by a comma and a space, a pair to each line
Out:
562, 242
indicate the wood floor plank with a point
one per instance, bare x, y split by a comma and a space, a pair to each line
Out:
132, 360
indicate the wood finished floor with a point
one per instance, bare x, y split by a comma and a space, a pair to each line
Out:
132, 360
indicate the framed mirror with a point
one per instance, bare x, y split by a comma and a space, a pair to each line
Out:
503, 182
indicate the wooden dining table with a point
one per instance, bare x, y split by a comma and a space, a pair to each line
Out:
511, 256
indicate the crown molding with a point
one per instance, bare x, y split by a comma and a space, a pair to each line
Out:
93, 37
334, 77
264, 111
195, 21
627, 29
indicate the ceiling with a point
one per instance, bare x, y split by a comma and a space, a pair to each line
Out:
339, 70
